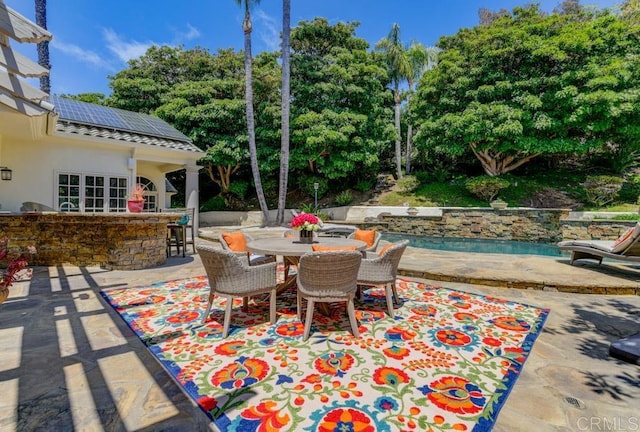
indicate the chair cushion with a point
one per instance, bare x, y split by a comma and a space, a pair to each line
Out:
184, 220
321, 248
367, 236
236, 241
625, 239
384, 249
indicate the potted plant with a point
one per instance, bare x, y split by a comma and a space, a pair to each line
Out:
306, 223
498, 204
10, 267
135, 200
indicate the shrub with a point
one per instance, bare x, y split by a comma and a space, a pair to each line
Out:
364, 185
307, 208
344, 198
323, 216
214, 204
603, 189
307, 186
408, 184
239, 188
486, 187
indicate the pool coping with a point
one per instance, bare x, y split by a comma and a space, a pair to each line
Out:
527, 272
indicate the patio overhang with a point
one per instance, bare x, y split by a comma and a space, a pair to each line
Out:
19, 28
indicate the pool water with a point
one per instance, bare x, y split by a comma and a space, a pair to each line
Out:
477, 245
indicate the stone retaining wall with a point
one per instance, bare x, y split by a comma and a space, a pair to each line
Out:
594, 229
122, 241
524, 224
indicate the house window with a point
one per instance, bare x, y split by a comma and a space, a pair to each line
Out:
150, 194
91, 193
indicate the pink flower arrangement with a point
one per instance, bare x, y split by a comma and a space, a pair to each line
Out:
305, 221
14, 264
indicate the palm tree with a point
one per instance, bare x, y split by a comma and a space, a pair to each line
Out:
286, 89
248, 70
399, 69
420, 59
43, 47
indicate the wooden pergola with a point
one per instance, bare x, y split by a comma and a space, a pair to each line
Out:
16, 94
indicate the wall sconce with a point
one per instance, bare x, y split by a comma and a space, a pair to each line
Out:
5, 173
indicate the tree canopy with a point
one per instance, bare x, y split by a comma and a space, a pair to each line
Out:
528, 84
522, 83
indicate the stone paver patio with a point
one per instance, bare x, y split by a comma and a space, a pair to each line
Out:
70, 363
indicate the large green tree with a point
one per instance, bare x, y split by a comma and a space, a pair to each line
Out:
420, 59
339, 115
399, 70
528, 84
142, 86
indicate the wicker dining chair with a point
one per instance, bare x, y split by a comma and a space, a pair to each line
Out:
382, 269
328, 277
230, 277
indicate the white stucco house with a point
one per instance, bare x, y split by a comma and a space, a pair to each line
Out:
74, 156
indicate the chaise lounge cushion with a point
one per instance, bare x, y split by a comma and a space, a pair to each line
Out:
603, 245
625, 240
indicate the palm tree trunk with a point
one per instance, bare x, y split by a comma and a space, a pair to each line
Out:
286, 89
396, 96
253, 154
43, 47
407, 163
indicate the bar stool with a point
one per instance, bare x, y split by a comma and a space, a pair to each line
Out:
176, 234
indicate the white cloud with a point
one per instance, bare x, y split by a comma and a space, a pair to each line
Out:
269, 31
190, 34
124, 50
81, 55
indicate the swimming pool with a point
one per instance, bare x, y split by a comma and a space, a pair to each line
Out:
476, 245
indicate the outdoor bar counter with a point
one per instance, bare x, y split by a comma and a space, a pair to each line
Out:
114, 241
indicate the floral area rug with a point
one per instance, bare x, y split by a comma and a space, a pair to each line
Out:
447, 361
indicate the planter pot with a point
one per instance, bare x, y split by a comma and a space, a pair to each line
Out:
4, 293
412, 211
498, 205
306, 236
135, 206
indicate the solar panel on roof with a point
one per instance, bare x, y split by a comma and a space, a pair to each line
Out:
103, 116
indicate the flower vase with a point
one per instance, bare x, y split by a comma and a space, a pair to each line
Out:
135, 206
306, 236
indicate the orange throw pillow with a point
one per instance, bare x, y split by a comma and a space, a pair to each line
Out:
236, 241
384, 249
367, 236
321, 248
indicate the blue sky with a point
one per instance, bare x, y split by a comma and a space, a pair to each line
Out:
93, 39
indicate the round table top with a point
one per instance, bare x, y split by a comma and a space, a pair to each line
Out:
293, 247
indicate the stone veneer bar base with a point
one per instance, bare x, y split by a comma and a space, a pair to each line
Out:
113, 241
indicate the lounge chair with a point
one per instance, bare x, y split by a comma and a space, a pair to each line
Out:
331, 229
625, 248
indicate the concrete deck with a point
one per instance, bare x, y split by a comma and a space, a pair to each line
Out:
70, 363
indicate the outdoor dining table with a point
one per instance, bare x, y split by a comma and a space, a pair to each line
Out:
291, 249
